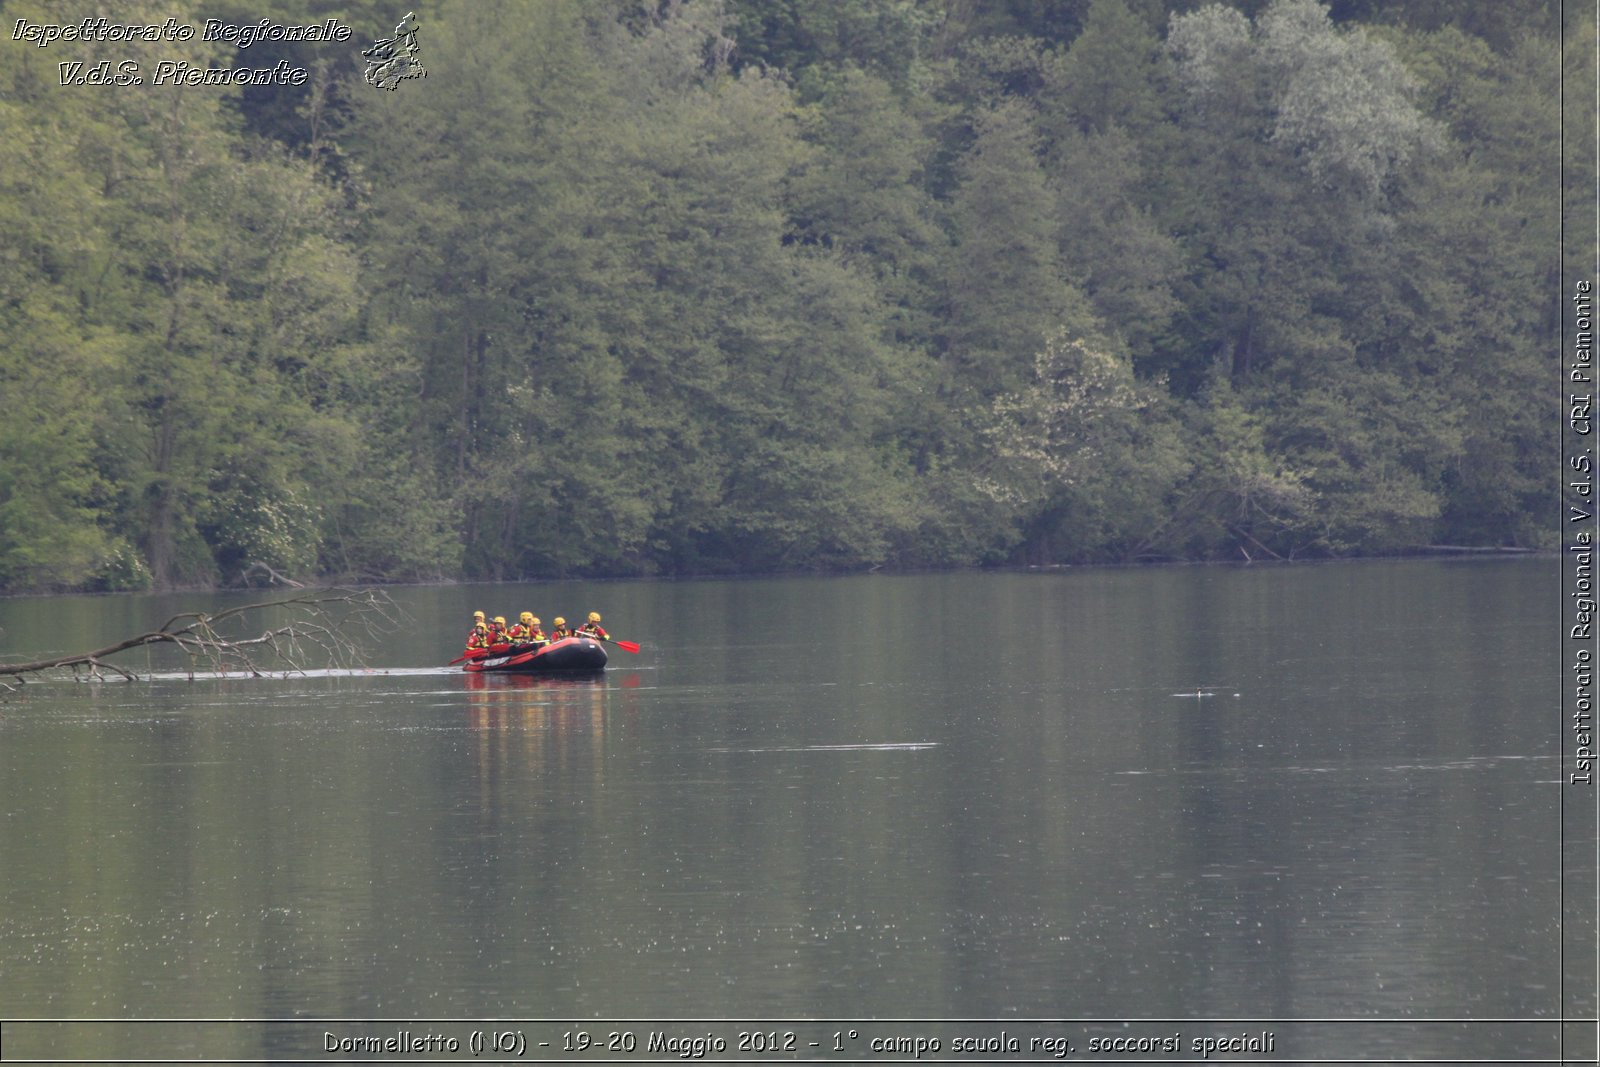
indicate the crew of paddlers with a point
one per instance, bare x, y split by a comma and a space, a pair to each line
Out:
527, 630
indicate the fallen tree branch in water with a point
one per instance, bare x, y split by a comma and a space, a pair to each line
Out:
247, 576
323, 623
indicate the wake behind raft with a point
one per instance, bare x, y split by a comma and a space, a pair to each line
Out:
570, 655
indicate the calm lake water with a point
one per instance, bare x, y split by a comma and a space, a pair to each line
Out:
1235, 800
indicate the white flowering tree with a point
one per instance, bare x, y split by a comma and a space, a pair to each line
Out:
1085, 453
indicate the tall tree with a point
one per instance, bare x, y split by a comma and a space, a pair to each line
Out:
1110, 76
51, 359
1295, 132
203, 284
485, 267
1303, 137
1472, 303
1086, 452
1112, 245
1005, 287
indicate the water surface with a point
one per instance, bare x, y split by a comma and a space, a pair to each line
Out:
1318, 792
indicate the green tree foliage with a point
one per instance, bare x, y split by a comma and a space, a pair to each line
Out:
1240, 498
1005, 287
480, 266
887, 38
1085, 452
236, 291
1110, 242
1110, 76
1317, 134
862, 195
1294, 130
50, 533
191, 302
1477, 292
628, 362
1500, 25
715, 285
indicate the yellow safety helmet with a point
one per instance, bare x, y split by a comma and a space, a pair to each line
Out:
594, 616
533, 620
560, 621
477, 614
501, 619
527, 616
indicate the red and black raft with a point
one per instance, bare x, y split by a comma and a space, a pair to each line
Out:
569, 655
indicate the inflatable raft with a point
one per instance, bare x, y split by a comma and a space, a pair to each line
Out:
564, 656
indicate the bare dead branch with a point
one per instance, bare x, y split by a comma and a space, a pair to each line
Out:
1240, 531
273, 577
326, 624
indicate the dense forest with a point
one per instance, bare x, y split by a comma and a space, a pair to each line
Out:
634, 287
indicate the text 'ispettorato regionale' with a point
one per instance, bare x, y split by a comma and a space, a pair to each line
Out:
178, 72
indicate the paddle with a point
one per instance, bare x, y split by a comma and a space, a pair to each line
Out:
626, 646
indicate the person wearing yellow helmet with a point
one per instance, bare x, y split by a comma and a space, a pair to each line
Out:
535, 635
592, 628
479, 636
517, 633
497, 630
559, 630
